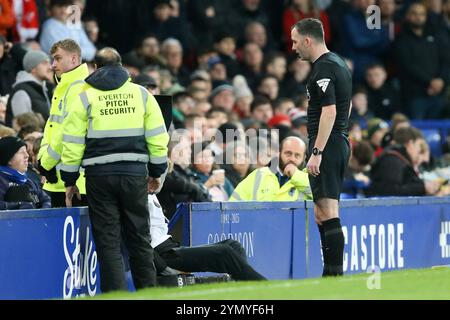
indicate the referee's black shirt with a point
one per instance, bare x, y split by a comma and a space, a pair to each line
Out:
330, 82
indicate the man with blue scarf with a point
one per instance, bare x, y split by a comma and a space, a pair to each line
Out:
17, 191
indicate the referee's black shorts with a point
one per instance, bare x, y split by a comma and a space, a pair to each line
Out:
335, 157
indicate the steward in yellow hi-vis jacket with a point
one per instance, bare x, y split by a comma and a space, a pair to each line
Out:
285, 183
116, 131
66, 56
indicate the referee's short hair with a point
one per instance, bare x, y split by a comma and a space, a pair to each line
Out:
310, 27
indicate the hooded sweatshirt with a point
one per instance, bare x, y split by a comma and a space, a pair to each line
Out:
28, 95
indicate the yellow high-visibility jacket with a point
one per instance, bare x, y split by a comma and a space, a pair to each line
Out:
116, 131
262, 185
68, 88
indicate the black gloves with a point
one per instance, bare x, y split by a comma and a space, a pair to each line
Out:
69, 178
50, 175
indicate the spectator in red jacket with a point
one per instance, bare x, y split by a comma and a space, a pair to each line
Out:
26, 20
6, 17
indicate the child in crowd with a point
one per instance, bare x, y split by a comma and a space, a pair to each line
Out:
17, 191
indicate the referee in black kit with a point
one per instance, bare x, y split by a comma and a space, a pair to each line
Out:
329, 91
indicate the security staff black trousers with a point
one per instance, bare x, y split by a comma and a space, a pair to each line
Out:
115, 203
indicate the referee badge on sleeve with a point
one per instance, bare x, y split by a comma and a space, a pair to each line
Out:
323, 83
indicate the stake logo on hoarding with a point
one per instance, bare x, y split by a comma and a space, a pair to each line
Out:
80, 272
443, 239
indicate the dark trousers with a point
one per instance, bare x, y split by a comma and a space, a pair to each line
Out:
59, 200
226, 256
120, 203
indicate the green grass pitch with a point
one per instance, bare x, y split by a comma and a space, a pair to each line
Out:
420, 284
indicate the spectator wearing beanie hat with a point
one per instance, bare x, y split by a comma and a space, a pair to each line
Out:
31, 90
222, 95
217, 69
298, 117
244, 97
147, 82
17, 191
376, 129
299, 120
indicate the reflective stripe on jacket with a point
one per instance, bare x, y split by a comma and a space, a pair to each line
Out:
115, 126
68, 88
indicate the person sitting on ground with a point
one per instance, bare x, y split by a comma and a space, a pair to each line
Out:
17, 191
227, 256
181, 184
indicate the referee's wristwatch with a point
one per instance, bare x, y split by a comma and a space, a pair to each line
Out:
316, 152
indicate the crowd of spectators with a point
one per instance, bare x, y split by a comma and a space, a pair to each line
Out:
229, 67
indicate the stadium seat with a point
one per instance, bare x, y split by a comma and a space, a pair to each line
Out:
429, 129
433, 137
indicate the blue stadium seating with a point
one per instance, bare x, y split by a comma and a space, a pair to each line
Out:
435, 132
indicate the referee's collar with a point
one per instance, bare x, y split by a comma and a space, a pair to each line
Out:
321, 56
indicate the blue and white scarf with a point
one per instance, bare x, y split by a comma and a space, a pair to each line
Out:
13, 175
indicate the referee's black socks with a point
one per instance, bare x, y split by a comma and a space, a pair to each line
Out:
324, 250
333, 251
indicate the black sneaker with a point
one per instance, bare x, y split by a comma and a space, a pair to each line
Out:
178, 280
212, 279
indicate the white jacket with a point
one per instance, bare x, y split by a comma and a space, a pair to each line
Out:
158, 222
